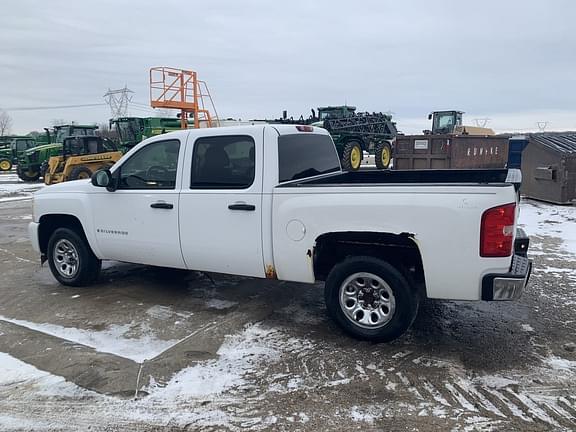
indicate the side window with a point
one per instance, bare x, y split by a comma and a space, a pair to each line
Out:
223, 162
152, 167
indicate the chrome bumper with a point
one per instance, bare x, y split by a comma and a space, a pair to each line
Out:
507, 286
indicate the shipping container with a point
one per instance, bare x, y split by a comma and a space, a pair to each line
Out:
450, 151
549, 167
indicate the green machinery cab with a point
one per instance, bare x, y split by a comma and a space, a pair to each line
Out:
12, 150
31, 161
133, 130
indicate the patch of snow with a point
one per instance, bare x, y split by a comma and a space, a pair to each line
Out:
14, 372
559, 363
239, 356
220, 304
527, 328
549, 220
497, 382
113, 340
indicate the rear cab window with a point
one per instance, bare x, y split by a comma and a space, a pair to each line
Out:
306, 155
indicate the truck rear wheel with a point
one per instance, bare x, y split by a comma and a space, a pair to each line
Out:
352, 156
5, 164
383, 155
80, 172
71, 260
28, 174
370, 299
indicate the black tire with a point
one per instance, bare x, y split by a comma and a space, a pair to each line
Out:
87, 265
383, 155
404, 296
349, 162
28, 175
80, 172
5, 164
43, 168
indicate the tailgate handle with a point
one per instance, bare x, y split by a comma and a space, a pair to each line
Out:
162, 205
245, 207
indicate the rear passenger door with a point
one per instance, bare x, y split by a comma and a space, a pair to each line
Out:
221, 205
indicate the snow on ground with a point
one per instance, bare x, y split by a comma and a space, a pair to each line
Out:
132, 341
14, 189
549, 220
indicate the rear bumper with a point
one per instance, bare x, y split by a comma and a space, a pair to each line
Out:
507, 286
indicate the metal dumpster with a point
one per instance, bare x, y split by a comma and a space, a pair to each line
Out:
450, 151
549, 167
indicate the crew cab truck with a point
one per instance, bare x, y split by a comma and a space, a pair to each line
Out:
242, 200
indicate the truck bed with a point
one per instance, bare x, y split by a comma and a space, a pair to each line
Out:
378, 177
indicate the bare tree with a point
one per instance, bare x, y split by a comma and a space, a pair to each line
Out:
105, 132
5, 123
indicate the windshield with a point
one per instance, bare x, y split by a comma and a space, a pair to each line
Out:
128, 129
67, 131
22, 145
444, 122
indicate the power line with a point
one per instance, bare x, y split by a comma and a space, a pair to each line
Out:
38, 108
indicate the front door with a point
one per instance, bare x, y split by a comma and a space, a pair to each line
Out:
139, 221
221, 205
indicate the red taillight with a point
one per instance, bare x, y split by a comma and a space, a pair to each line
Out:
497, 231
305, 128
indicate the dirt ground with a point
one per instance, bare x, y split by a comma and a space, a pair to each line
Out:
156, 349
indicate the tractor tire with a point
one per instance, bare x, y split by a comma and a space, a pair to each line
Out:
28, 175
5, 164
43, 168
383, 155
352, 156
80, 173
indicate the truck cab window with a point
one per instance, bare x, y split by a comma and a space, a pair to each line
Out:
223, 162
152, 167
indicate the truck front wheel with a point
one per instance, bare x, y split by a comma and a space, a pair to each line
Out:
71, 260
370, 299
352, 156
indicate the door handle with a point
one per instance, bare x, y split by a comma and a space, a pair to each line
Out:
245, 207
162, 205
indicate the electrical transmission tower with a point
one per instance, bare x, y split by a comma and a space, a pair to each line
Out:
481, 122
118, 101
542, 125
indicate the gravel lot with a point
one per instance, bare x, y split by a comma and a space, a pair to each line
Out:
156, 349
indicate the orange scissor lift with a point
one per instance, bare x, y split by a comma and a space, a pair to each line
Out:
182, 90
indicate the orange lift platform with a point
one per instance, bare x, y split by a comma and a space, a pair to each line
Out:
180, 89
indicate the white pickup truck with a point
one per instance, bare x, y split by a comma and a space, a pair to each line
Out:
271, 201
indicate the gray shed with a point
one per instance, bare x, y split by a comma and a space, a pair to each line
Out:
549, 167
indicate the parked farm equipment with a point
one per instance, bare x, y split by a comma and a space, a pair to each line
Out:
80, 157
30, 163
354, 133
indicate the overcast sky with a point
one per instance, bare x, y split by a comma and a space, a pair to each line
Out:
511, 61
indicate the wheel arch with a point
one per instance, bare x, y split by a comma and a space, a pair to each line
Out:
51, 222
400, 250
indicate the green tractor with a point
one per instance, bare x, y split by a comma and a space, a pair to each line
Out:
10, 152
132, 130
32, 161
355, 133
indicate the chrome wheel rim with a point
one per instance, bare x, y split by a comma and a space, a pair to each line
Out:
65, 258
367, 300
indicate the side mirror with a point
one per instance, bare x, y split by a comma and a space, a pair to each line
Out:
429, 116
103, 178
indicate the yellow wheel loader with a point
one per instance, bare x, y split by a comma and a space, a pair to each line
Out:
81, 156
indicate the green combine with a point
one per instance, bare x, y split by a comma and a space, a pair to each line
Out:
132, 130
31, 161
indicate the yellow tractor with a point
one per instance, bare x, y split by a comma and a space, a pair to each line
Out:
81, 156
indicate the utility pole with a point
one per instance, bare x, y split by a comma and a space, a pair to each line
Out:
118, 101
